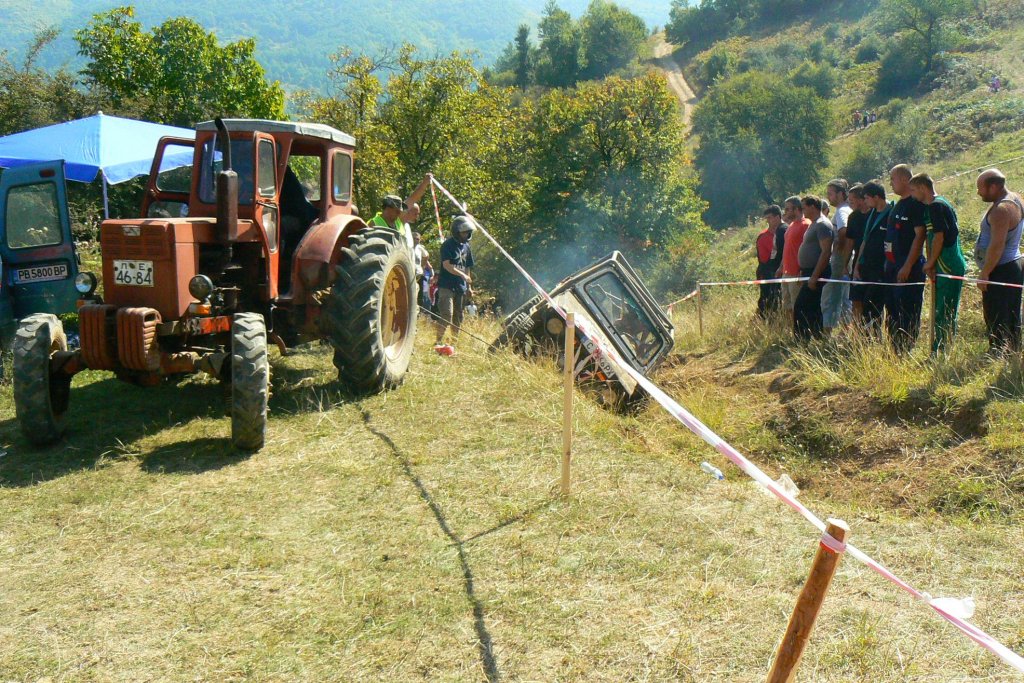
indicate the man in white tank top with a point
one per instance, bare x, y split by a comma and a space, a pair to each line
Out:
997, 255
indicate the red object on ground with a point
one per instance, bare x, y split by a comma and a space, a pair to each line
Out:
445, 349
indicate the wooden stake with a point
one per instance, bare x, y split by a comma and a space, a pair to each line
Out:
808, 605
931, 339
700, 310
570, 366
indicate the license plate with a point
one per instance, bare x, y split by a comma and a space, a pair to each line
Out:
133, 273
55, 271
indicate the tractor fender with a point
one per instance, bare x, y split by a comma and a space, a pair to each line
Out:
318, 253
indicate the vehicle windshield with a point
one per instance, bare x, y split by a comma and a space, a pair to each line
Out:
212, 162
629, 321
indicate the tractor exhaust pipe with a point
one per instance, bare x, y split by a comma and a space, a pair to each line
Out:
227, 190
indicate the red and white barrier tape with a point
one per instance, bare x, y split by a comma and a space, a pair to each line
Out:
976, 281
855, 283
805, 279
954, 610
685, 298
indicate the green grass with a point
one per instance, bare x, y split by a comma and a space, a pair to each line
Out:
390, 538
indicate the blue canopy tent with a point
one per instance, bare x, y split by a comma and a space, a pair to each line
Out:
117, 149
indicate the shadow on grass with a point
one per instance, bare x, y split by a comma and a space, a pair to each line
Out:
193, 456
102, 417
106, 415
484, 641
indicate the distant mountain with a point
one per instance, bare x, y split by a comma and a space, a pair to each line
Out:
295, 37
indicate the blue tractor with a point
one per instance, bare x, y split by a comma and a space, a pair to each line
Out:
40, 266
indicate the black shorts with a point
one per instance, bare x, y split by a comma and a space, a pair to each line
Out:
857, 292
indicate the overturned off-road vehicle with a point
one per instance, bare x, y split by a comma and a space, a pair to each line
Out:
255, 240
616, 305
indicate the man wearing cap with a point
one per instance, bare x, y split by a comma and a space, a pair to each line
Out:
393, 209
454, 282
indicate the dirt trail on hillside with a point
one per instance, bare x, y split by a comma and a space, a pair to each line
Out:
676, 81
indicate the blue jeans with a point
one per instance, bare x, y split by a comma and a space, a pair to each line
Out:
835, 302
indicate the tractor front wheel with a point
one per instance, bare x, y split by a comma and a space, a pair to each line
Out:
370, 316
40, 396
250, 381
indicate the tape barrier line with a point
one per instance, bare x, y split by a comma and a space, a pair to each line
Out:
685, 298
976, 281
953, 610
854, 283
805, 279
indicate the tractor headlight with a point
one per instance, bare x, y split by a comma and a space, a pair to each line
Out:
85, 283
200, 287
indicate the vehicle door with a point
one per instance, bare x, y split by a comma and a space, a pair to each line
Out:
38, 252
267, 208
170, 179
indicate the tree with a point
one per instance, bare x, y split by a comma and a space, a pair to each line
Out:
612, 174
177, 74
31, 97
924, 29
411, 115
523, 57
560, 55
612, 38
761, 138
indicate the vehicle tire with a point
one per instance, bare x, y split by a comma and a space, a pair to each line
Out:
250, 381
40, 398
370, 316
516, 328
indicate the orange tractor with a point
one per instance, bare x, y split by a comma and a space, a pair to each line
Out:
255, 241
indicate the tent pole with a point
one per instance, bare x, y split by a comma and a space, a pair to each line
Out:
106, 202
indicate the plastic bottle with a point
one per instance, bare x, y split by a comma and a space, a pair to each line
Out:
712, 470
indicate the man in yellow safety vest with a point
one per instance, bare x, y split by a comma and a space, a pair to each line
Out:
394, 211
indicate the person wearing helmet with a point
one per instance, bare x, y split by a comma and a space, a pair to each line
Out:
454, 283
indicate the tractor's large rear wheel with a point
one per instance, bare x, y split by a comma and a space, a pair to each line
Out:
40, 396
250, 381
370, 316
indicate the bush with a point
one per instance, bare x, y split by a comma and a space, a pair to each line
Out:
821, 78
902, 70
885, 144
868, 50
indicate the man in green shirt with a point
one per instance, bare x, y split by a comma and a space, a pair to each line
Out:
944, 256
393, 208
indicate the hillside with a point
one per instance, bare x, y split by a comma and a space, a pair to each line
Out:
295, 38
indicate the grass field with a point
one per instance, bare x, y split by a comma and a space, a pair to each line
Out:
417, 535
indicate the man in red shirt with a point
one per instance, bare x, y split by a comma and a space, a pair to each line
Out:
794, 215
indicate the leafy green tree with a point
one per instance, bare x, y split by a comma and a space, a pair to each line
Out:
178, 73
612, 174
523, 59
761, 138
612, 38
560, 54
927, 27
412, 115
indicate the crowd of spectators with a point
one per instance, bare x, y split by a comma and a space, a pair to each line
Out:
863, 258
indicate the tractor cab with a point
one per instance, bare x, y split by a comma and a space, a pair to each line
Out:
36, 247
291, 176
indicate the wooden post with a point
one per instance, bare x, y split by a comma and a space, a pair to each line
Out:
570, 367
700, 310
808, 605
934, 331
